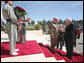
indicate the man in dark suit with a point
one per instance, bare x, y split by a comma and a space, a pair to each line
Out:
69, 37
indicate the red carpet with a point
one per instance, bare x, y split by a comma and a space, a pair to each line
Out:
76, 57
46, 52
62, 53
81, 54
56, 55
31, 47
59, 54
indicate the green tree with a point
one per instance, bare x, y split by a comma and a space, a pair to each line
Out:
32, 22
45, 27
29, 23
39, 22
49, 25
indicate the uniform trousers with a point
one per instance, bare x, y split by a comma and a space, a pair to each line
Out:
12, 34
54, 41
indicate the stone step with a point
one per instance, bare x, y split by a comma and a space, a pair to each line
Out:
29, 58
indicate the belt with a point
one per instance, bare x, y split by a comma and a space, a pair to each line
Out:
8, 20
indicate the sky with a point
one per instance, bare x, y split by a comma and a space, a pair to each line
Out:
39, 10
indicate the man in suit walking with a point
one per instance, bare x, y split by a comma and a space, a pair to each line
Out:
69, 37
11, 26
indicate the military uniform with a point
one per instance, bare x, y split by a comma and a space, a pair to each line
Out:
11, 26
54, 33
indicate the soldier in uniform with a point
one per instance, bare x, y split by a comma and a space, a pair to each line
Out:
54, 32
11, 26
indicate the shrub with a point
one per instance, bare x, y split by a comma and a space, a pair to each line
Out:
27, 28
37, 27
2, 29
30, 28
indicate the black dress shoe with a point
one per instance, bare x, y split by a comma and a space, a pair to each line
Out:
60, 48
53, 48
70, 58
